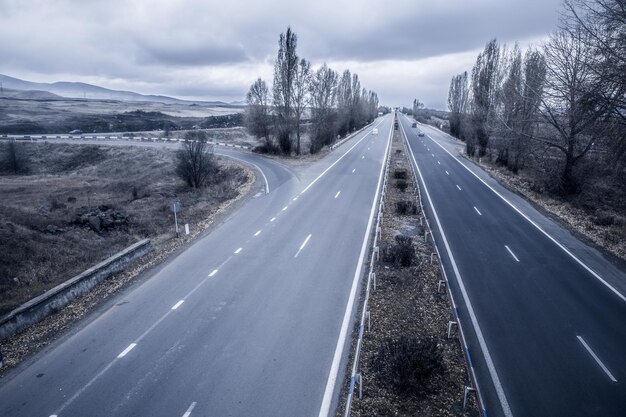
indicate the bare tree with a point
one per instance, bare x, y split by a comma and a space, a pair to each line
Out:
258, 119
570, 105
300, 95
486, 77
285, 70
457, 103
344, 101
195, 161
323, 89
604, 21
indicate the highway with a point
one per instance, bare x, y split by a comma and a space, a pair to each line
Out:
543, 312
250, 320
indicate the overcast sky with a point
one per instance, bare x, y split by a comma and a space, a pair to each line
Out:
206, 49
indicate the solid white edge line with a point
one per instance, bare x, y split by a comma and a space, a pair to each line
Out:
213, 272
335, 163
178, 304
506, 409
511, 252
337, 195
478, 211
125, 351
556, 242
190, 409
598, 361
334, 369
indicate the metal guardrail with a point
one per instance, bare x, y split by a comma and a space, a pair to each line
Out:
34, 138
371, 280
462, 338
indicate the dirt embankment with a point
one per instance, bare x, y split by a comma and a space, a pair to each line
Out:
78, 205
409, 366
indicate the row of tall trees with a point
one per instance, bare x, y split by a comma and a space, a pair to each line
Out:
559, 107
334, 104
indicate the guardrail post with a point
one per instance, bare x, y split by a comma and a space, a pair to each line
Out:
368, 314
441, 283
373, 278
450, 325
426, 232
466, 391
377, 252
431, 257
360, 378
379, 232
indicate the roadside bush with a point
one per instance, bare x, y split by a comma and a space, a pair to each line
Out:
402, 185
408, 364
400, 174
406, 207
196, 164
402, 253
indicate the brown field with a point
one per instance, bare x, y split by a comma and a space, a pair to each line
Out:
78, 204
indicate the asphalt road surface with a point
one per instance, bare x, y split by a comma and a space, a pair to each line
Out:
251, 320
543, 312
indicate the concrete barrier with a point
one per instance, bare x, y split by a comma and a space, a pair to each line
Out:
58, 297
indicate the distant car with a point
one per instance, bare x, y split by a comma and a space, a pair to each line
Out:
374, 131
76, 132
420, 133
414, 124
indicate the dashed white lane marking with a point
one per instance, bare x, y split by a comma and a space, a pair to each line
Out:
213, 272
190, 409
337, 195
478, 211
258, 232
529, 220
295, 198
302, 246
178, 304
433, 155
363, 157
511, 252
598, 361
457, 186
272, 219
284, 208
439, 163
238, 250
128, 349
353, 170
447, 173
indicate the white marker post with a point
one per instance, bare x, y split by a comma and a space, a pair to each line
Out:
175, 208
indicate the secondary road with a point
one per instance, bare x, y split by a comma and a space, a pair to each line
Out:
252, 319
544, 314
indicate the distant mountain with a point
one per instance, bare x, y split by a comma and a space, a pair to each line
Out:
29, 94
83, 90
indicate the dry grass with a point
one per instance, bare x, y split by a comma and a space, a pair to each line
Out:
45, 235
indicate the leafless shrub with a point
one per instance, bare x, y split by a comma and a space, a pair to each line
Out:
408, 364
196, 164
